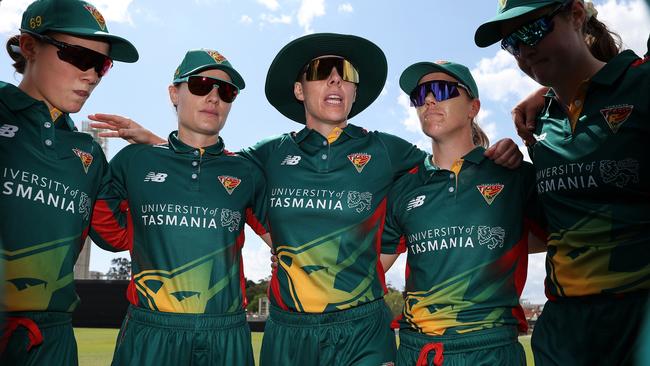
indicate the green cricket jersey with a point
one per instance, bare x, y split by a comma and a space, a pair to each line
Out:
181, 212
594, 183
50, 175
466, 238
326, 214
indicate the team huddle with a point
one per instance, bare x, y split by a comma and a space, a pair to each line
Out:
335, 202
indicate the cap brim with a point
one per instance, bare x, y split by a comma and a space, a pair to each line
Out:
121, 49
412, 75
235, 77
367, 58
489, 32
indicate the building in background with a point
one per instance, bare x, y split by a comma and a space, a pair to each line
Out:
82, 267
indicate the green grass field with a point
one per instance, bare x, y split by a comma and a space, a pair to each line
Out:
96, 346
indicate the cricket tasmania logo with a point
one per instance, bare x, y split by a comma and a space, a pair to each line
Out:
359, 160
617, 115
86, 158
229, 183
97, 15
490, 191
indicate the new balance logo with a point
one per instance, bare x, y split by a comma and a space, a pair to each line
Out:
8, 130
155, 177
416, 202
291, 160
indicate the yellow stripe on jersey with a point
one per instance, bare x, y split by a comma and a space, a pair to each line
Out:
334, 135
575, 108
55, 114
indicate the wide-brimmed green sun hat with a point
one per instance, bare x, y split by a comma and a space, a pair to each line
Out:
412, 75
489, 32
77, 18
199, 60
365, 56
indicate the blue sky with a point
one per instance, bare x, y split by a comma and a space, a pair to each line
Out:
250, 32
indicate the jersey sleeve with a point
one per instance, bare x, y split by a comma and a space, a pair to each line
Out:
256, 213
260, 152
110, 226
403, 155
392, 238
534, 217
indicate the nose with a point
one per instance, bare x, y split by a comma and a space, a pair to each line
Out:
334, 78
91, 76
430, 99
213, 95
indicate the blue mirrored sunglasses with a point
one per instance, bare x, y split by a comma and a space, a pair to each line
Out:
532, 33
441, 90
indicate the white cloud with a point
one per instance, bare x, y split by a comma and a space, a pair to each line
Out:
310, 9
630, 19
272, 5
346, 8
411, 121
245, 19
490, 128
272, 19
12, 11
534, 288
499, 78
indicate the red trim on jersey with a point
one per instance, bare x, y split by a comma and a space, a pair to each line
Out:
239, 244
274, 289
132, 292
254, 223
11, 325
105, 224
414, 170
401, 246
229, 153
535, 229
394, 324
640, 61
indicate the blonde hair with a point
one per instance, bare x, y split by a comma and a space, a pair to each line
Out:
479, 138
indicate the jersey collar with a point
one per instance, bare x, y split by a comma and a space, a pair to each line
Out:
17, 100
182, 148
350, 130
428, 169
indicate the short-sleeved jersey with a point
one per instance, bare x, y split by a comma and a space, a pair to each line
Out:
326, 214
49, 177
466, 238
181, 213
594, 184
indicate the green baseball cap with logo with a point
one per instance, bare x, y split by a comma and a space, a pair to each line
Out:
489, 32
412, 75
77, 18
203, 59
365, 56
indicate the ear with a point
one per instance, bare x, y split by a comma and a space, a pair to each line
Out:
298, 92
173, 94
354, 97
475, 108
578, 14
28, 46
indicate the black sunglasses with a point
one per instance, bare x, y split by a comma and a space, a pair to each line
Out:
203, 85
80, 57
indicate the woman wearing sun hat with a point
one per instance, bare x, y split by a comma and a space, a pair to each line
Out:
180, 209
50, 173
593, 178
465, 223
327, 185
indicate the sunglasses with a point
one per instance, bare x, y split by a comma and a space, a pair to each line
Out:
321, 68
441, 90
80, 57
532, 33
203, 85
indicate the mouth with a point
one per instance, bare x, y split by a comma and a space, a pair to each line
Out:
82, 93
208, 111
333, 99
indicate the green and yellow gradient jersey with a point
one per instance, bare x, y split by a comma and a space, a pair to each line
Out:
180, 211
593, 179
50, 175
326, 214
465, 232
